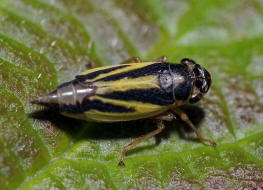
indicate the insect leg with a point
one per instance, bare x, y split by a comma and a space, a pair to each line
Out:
185, 118
132, 60
160, 127
161, 59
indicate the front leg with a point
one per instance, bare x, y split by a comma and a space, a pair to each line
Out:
185, 118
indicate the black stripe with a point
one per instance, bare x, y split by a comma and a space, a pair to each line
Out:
94, 74
81, 78
94, 105
65, 84
183, 90
152, 95
152, 69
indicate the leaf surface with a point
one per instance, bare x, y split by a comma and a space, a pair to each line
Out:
46, 42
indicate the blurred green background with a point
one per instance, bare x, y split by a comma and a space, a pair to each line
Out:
46, 42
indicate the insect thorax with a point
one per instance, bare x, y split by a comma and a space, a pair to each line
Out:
177, 80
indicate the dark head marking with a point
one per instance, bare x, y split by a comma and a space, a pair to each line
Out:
202, 79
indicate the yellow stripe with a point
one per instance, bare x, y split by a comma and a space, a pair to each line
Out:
139, 107
132, 66
142, 110
96, 69
127, 84
115, 117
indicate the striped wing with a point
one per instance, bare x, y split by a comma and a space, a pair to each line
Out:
126, 92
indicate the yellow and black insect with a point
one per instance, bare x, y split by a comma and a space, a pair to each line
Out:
130, 91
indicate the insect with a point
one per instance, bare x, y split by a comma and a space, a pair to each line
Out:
130, 91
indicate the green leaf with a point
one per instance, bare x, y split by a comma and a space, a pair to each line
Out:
46, 42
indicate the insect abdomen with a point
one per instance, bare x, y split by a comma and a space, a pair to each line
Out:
67, 97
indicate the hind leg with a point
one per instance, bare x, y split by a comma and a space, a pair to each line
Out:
160, 127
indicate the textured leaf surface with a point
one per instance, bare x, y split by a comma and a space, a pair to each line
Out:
46, 42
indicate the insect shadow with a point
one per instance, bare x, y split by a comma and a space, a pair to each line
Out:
80, 130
